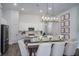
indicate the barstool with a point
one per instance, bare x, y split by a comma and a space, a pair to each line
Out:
58, 49
23, 48
70, 48
44, 49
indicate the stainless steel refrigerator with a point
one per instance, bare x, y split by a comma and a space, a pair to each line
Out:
4, 38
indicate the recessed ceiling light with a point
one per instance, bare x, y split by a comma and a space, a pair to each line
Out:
41, 11
22, 9
15, 4
49, 8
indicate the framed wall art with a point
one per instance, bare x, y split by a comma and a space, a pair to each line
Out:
63, 17
67, 37
67, 16
67, 23
62, 30
67, 30
62, 24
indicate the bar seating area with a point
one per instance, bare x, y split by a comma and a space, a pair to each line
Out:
62, 48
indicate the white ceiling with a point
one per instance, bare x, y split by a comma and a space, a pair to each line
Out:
34, 8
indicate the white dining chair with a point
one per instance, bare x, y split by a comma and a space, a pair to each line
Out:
23, 48
44, 49
70, 48
58, 49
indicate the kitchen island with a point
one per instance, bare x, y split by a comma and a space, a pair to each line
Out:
57, 45
33, 46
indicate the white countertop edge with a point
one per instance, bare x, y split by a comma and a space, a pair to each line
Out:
49, 42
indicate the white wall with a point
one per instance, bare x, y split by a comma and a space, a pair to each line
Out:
4, 21
0, 12
78, 25
12, 18
27, 21
14, 26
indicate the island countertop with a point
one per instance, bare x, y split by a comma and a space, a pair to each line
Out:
51, 42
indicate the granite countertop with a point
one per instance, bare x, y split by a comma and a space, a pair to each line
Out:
38, 43
38, 40
47, 41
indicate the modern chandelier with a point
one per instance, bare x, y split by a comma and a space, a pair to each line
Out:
50, 18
